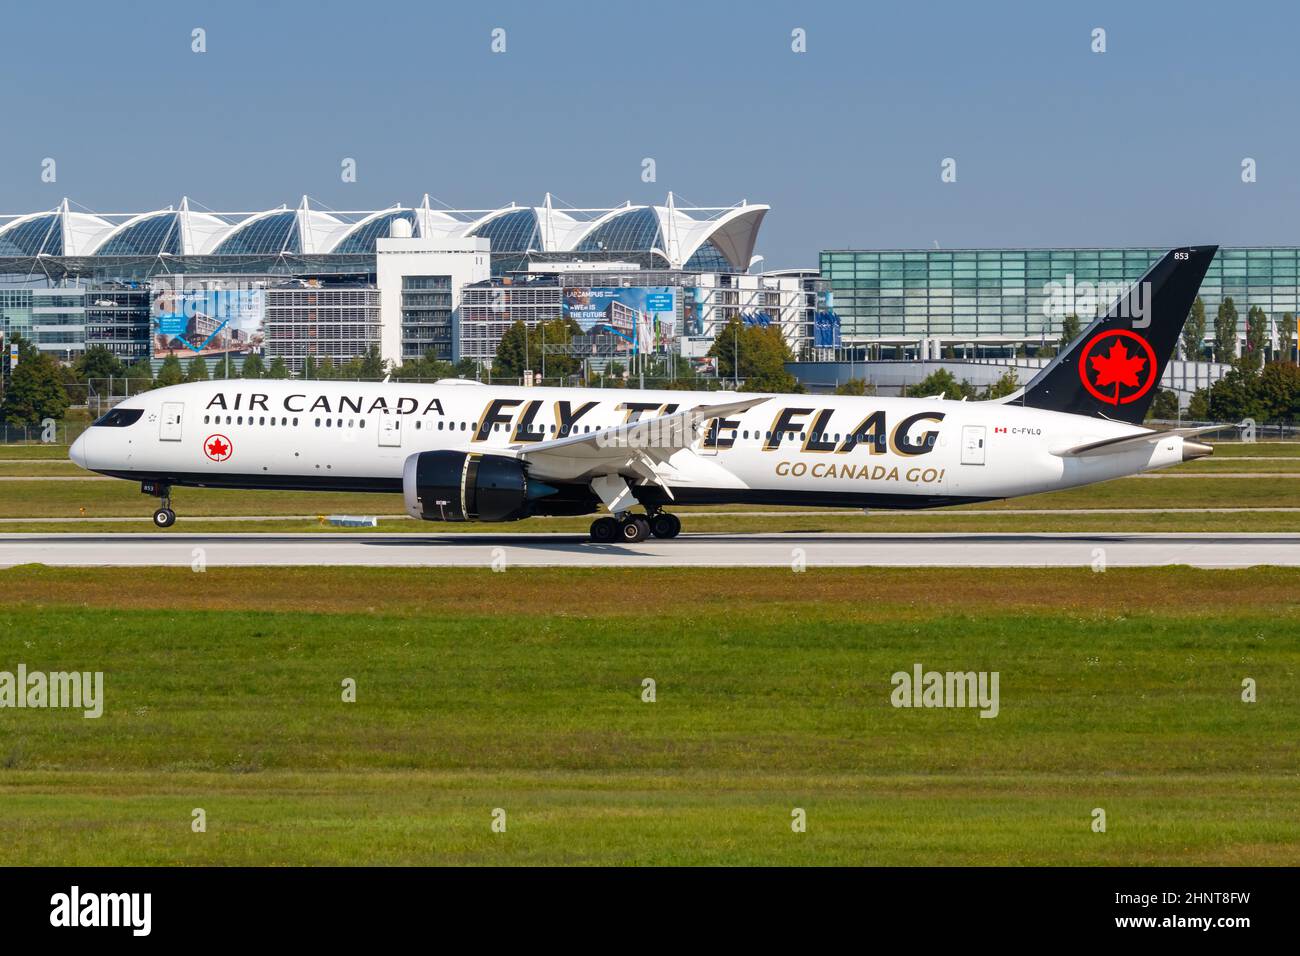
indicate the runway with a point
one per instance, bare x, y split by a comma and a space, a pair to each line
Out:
795, 550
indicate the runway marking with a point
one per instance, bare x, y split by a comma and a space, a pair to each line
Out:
481, 550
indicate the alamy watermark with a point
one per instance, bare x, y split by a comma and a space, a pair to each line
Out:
922, 688
1089, 299
79, 690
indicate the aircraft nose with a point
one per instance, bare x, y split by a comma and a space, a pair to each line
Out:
78, 452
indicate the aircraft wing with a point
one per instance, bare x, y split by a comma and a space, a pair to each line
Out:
636, 448
1114, 446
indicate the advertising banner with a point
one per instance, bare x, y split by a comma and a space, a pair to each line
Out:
207, 322
645, 316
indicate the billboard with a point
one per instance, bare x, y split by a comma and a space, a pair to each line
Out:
644, 316
207, 322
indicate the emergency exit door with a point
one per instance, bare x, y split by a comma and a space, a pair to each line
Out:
972, 445
390, 430
169, 424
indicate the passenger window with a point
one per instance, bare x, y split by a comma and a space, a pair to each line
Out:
318, 423
261, 420
240, 420
363, 423
205, 419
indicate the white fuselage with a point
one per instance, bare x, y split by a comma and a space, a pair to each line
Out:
916, 452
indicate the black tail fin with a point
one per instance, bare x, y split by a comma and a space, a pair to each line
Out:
1113, 369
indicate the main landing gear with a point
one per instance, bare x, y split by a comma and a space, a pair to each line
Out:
164, 517
628, 528
621, 524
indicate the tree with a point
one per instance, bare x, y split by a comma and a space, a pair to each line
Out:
252, 367
368, 366
1070, 329
197, 371
1194, 332
1256, 337
35, 390
1165, 405
1286, 337
755, 353
1278, 390
278, 368
513, 355
559, 331
521, 348
170, 372
1008, 384
941, 382
1237, 395
1225, 331
140, 375
98, 362
855, 386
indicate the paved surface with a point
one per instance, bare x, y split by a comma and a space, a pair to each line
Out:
739, 550
184, 520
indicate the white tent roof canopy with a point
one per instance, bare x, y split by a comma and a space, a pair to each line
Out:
548, 228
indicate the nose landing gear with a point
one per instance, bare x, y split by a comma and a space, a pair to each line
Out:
164, 517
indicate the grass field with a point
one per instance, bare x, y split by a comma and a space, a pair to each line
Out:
522, 691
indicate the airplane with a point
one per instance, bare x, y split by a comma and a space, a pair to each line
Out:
460, 450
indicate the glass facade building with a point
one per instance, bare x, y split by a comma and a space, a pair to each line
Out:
427, 325
334, 323
54, 320
999, 297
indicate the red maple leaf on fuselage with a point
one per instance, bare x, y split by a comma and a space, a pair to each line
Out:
1117, 368
217, 448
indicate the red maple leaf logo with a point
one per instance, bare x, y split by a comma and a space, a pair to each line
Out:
217, 448
1116, 367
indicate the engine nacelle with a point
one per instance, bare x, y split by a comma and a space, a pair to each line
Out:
458, 486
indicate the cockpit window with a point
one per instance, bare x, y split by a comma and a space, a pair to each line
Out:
120, 418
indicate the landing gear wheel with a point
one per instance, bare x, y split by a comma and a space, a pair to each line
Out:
164, 518
633, 530
664, 525
604, 530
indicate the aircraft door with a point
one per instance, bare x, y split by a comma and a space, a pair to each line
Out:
390, 430
972, 445
169, 423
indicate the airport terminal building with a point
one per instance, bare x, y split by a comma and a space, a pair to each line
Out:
921, 303
305, 281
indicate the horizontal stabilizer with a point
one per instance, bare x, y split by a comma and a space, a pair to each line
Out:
1115, 446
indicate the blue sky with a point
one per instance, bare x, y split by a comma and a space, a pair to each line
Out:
1054, 144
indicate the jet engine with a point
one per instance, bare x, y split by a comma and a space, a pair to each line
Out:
458, 486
